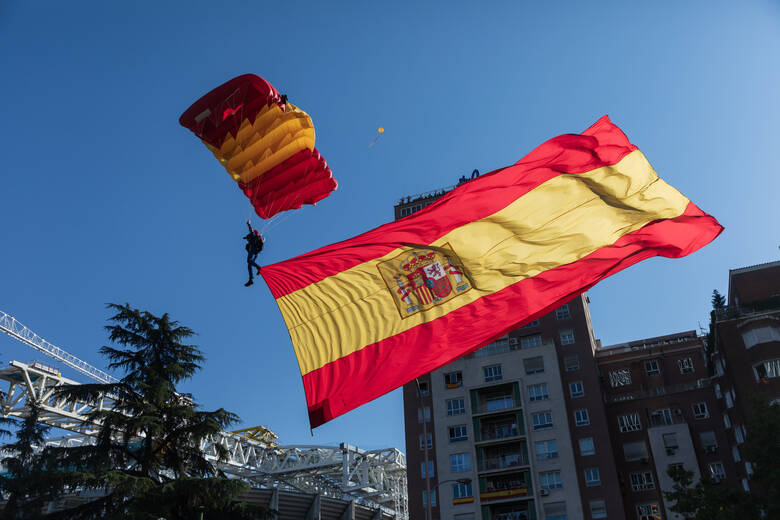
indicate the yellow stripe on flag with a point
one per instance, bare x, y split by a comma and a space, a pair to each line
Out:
557, 223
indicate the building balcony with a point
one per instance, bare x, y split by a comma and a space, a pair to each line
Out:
645, 393
508, 461
751, 309
505, 431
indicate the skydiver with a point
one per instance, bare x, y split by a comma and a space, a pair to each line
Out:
254, 244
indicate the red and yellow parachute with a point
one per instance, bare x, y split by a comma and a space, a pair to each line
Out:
265, 143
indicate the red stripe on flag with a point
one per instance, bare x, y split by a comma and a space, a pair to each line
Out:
348, 382
602, 144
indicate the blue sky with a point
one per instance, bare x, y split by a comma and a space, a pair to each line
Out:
105, 198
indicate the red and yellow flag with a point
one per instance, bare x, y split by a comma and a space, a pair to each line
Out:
371, 313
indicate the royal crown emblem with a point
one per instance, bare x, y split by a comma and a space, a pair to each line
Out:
420, 279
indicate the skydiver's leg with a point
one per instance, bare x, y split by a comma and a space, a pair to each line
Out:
249, 262
252, 262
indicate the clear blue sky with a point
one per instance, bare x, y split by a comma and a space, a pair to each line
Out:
105, 198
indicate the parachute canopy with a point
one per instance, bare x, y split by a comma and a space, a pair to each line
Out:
265, 143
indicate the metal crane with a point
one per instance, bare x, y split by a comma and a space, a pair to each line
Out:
18, 331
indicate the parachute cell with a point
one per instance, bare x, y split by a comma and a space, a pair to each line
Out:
265, 143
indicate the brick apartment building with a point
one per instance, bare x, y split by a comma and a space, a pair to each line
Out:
662, 410
545, 423
746, 351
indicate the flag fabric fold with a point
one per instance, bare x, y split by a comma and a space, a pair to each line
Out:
371, 313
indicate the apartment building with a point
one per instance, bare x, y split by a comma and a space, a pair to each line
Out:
662, 411
746, 352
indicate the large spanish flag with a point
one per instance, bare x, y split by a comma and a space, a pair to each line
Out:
371, 313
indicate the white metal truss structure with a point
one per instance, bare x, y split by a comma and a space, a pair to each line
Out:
16, 330
373, 478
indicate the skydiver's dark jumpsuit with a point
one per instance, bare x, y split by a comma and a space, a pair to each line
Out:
254, 244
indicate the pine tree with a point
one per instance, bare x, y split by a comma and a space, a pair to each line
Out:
147, 460
718, 300
29, 483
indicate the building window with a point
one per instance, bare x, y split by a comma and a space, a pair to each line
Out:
530, 324
430, 442
424, 412
550, 480
629, 422
642, 480
567, 337
745, 485
425, 498
700, 410
552, 511
598, 509
453, 379
493, 373
648, 511
538, 392
431, 471
534, 365
592, 477
708, 442
686, 365
458, 433
581, 417
424, 389
562, 312
587, 447
651, 367
576, 389
531, 341
670, 443
729, 399
738, 435
620, 377
462, 490
456, 406
662, 417
542, 420
735, 454
726, 420
633, 451
758, 335
767, 369
460, 462
717, 472
546, 450
571, 363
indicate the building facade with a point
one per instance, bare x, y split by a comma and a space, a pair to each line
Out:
745, 344
662, 411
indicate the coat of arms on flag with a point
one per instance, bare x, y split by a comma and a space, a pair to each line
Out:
422, 278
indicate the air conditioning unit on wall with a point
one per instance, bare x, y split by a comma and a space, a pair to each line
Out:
544, 492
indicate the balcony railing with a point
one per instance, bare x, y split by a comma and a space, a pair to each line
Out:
496, 404
491, 433
510, 460
510, 515
658, 391
737, 311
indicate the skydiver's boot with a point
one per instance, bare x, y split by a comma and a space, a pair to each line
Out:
250, 282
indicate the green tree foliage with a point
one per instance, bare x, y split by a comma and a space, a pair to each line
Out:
28, 484
708, 500
146, 462
718, 300
762, 447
